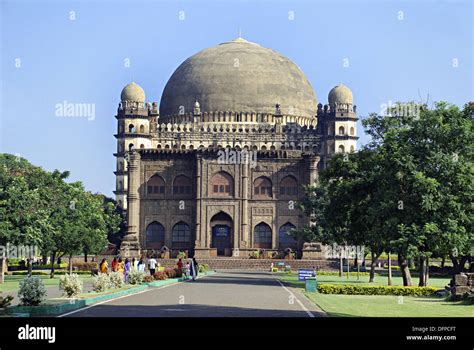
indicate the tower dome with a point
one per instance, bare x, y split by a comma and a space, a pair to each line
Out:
238, 76
340, 94
133, 93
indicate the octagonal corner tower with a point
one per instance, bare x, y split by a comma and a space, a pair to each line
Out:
241, 77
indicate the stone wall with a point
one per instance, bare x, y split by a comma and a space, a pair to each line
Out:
258, 264
462, 285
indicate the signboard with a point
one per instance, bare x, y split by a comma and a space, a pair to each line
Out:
305, 273
221, 231
280, 264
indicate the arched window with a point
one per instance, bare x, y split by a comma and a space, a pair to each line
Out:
156, 185
341, 149
262, 236
341, 130
155, 232
181, 236
284, 239
131, 128
222, 184
352, 131
120, 185
288, 186
352, 149
182, 185
262, 187
142, 129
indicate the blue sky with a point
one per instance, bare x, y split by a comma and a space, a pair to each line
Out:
47, 58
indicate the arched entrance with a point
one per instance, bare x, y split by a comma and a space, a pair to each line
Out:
222, 234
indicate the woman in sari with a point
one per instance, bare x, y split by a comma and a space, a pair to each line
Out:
103, 267
120, 265
126, 271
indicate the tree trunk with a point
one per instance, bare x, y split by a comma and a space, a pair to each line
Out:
442, 262
422, 271
85, 256
389, 281
2, 267
70, 264
341, 265
373, 263
53, 259
30, 266
403, 263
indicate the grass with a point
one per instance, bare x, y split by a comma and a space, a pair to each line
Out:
381, 305
292, 279
12, 283
389, 306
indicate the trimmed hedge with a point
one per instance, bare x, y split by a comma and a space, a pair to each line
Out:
47, 273
376, 290
336, 273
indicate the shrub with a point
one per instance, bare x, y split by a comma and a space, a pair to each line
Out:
32, 291
5, 302
181, 255
336, 273
33, 273
48, 266
178, 273
170, 273
85, 266
254, 255
160, 276
101, 282
71, 285
148, 278
375, 290
136, 277
116, 280
203, 268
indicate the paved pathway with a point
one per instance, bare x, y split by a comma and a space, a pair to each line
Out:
224, 294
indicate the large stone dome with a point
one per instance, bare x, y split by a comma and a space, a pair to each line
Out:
238, 76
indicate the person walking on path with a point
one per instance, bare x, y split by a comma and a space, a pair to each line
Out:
194, 268
103, 267
180, 265
114, 264
188, 270
141, 265
152, 265
134, 266
126, 270
120, 266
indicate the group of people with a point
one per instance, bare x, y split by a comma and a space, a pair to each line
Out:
191, 268
122, 266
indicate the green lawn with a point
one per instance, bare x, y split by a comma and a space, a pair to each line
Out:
389, 306
12, 283
381, 305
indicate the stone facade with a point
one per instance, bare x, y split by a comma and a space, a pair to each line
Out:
215, 183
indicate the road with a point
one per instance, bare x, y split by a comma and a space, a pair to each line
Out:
224, 294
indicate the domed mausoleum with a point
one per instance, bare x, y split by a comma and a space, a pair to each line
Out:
217, 168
